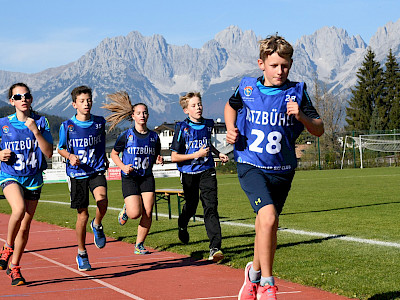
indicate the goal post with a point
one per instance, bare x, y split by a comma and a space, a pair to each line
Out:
376, 142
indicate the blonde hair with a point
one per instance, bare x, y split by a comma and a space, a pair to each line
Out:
121, 107
275, 43
184, 100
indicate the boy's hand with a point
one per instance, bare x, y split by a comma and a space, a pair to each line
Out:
292, 108
107, 163
232, 136
31, 124
223, 157
74, 160
203, 151
160, 160
127, 168
5, 154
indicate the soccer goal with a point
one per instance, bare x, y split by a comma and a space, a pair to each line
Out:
375, 142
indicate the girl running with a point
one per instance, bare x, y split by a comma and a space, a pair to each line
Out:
25, 141
140, 148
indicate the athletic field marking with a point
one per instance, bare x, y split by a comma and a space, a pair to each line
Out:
47, 292
224, 297
125, 261
293, 231
101, 282
219, 297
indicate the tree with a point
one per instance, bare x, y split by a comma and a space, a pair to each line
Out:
391, 78
366, 96
331, 108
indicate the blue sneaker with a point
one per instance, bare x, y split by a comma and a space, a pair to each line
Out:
99, 237
140, 249
83, 262
122, 216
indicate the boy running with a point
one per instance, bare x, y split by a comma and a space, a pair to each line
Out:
192, 151
264, 117
82, 143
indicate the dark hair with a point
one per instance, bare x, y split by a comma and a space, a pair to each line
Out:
137, 104
83, 89
10, 91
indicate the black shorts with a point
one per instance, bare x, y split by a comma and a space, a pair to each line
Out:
33, 195
264, 188
79, 189
137, 185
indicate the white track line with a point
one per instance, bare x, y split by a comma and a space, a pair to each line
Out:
101, 282
293, 231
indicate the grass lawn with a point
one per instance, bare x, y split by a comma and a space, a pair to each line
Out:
363, 204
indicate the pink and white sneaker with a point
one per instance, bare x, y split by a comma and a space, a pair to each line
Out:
249, 289
267, 292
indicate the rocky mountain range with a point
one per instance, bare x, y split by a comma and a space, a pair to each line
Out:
155, 72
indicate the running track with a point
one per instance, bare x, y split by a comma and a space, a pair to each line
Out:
49, 267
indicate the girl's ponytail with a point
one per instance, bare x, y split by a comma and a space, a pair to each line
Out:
120, 106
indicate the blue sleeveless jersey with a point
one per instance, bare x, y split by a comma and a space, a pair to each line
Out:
140, 152
195, 137
267, 134
27, 158
89, 144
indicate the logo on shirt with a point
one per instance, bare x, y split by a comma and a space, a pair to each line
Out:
152, 139
70, 128
6, 129
130, 138
248, 90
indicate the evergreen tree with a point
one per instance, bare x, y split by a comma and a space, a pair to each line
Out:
366, 96
392, 91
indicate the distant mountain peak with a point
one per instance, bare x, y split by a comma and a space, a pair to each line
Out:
155, 72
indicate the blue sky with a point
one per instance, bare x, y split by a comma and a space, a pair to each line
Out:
36, 35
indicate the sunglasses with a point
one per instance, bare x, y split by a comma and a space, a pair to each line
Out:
27, 96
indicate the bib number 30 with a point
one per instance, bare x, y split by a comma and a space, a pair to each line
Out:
274, 142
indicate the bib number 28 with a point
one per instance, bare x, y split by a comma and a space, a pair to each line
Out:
274, 142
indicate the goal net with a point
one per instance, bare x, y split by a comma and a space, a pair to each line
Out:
374, 142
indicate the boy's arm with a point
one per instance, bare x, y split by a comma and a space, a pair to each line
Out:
232, 133
178, 148
73, 159
177, 157
313, 126
223, 157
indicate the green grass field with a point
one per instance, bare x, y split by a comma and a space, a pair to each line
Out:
352, 203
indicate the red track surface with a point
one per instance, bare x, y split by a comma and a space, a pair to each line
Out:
49, 267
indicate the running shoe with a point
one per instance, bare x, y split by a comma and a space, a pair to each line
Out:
249, 289
83, 262
6, 253
15, 274
183, 235
140, 249
99, 237
215, 255
267, 292
122, 216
